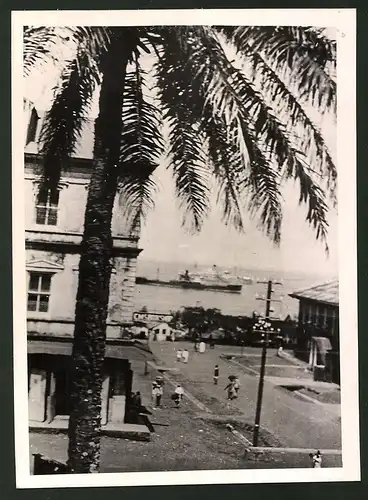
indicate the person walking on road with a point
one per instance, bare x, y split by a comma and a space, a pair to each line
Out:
153, 393
179, 353
185, 356
157, 394
178, 395
316, 459
236, 385
280, 346
231, 391
216, 374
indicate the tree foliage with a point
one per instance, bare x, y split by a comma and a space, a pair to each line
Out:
230, 110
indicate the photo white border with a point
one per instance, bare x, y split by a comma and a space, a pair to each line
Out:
344, 20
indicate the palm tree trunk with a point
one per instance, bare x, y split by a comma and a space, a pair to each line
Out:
94, 274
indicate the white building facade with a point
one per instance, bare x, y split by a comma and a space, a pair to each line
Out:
53, 233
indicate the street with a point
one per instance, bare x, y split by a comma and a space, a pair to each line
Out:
294, 422
195, 436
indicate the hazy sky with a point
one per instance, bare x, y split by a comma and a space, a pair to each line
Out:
164, 239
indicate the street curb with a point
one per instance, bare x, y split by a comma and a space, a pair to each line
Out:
253, 372
293, 359
315, 401
239, 435
266, 449
131, 435
270, 381
333, 457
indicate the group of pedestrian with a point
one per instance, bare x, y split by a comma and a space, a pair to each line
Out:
232, 387
182, 355
158, 392
200, 345
135, 408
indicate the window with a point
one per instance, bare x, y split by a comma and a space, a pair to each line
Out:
308, 310
32, 127
325, 315
47, 206
39, 292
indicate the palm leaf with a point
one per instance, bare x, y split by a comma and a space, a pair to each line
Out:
38, 45
302, 55
186, 143
141, 149
312, 195
240, 156
231, 145
287, 104
260, 126
63, 124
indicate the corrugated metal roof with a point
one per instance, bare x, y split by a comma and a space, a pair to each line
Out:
130, 352
327, 293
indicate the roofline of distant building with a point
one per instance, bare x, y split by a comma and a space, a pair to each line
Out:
301, 293
297, 295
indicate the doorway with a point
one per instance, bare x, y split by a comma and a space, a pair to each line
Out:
62, 393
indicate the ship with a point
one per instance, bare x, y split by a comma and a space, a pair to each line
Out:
211, 279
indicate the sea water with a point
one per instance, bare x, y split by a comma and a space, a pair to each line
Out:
166, 299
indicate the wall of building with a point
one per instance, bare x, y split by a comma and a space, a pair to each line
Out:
44, 374
319, 314
72, 201
58, 244
64, 284
319, 320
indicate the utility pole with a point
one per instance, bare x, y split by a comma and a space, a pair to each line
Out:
267, 330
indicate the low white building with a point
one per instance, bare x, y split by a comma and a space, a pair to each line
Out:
161, 331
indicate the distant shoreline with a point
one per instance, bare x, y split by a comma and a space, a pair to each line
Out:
182, 265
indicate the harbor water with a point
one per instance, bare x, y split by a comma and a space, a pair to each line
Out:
166, 299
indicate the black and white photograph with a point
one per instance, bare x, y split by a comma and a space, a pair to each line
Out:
184, 247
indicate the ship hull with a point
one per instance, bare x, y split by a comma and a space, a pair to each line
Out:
186, 285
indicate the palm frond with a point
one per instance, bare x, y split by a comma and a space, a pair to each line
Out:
93, 40
232, 144
48, 43
38, 44
141, 148
305, 55
312, 195
189, 167
286, 103
186, 142
229, 171
63, 124
271, 134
